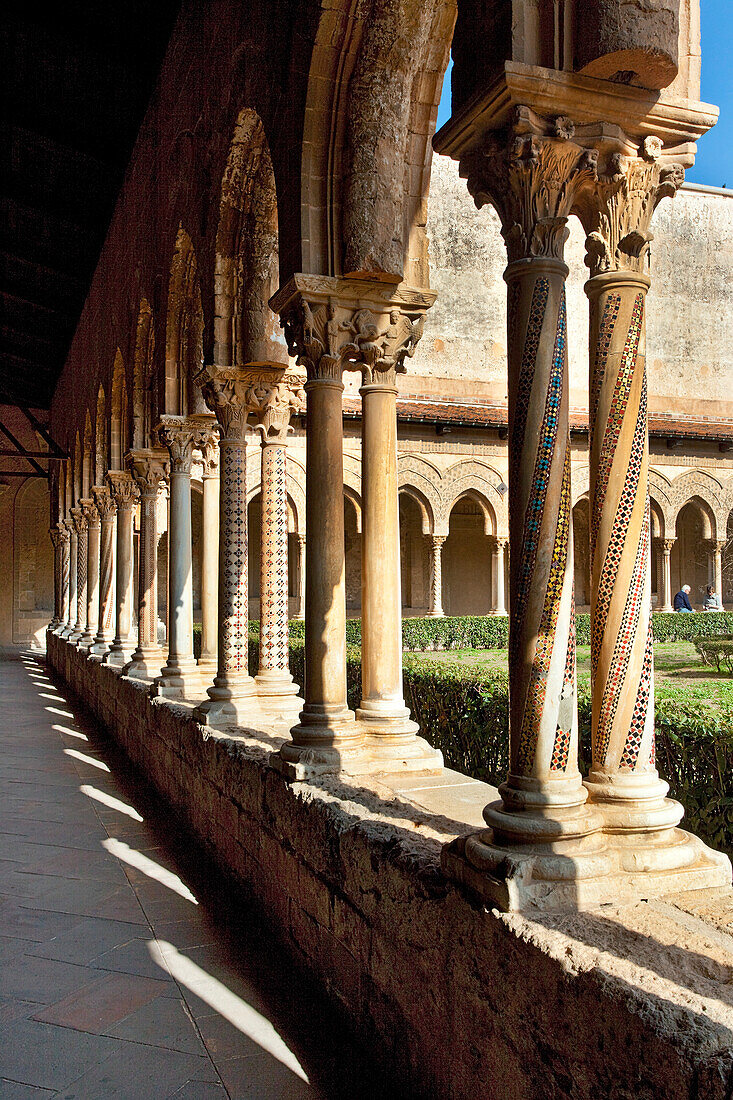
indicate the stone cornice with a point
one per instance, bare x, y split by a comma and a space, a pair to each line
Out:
637, 112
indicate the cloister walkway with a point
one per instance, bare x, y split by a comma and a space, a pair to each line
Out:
129, 968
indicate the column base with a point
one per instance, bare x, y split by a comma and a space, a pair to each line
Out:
85, 643
230, 705
435, 615
394, 746
580, 875
327, 741
498, 614
633, 802
178, 680
119, 655
100, 648
208, 668
145, 664
277, 694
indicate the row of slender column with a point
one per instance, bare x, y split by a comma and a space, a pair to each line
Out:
664, 571
435, 595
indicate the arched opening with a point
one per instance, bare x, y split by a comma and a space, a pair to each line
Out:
656, 532
100, 447
414, 557
86, 469
246, 267
467, 560
143, 382
184, 334
727, 562
690, 560
581, 550
33, 563
118, 415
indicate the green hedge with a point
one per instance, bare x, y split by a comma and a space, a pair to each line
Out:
717, 650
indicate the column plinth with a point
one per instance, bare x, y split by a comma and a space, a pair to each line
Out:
391, 733
179, 678
93, 540
640, 821
148, 469
125, 495
106, 619
232, 697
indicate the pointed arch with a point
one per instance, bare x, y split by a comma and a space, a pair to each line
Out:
87, 469
246, 267
118, 415
184, 332
100, 448
78, 458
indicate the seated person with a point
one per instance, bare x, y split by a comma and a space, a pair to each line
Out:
711, 601
682, 599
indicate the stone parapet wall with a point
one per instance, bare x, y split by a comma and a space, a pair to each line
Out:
457, 1000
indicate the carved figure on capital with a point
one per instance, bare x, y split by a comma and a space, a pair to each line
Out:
223, 390
273, 402
149, 469
180, 435
89, 508
530, 172
125, 492
104, 501
79, 519
616, 208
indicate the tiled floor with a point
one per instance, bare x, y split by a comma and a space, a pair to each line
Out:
128, 969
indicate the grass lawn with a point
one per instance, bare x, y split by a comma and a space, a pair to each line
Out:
678, 668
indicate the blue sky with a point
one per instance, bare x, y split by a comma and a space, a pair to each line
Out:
714, 165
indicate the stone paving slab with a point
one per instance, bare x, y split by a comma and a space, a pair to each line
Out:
123, 974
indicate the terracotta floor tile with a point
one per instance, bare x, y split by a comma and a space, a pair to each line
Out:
103, 1002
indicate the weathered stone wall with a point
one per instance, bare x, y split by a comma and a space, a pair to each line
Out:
689, 319
458, 1002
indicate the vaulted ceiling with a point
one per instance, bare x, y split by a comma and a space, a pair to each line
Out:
75, 84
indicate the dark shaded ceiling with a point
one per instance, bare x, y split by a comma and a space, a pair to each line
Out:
75, 85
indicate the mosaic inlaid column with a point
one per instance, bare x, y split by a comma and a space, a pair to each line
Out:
232, 696
301, 576
148, 468
80, 526
391, 733
623, 782
209, 552
667, 545
55, 536
65, 543
179, 676
73, 548
436, 542
498, 598
106, 619
272, 405
93, 536
125, 494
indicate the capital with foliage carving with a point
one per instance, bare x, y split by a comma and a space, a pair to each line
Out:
148, 468
530, 171
224, 391
616, 209
333, 324
104, 502
63, 531
89, 509
181, 434
55, 535
79, 520
123, 488
208, 442
273, 398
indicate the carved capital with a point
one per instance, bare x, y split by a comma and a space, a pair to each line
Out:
56, 537
616, 209
124, 490
530, 172
180, 434
89, 508
148, 468
79, 520
224, 391
63, 531
332, 325
207, 442
667, 545
104, 502
273, 400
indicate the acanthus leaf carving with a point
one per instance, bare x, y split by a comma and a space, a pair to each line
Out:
149, 469
123, 488
104, 501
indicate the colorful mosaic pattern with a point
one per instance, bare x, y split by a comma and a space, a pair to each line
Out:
543, 462
561, 748
274, 560
605, 332
65, 569
616, 413
233, 613
630, 755
537, 309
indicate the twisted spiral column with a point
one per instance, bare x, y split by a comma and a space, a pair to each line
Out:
93, 537
435, 610
55, 536
72, 601
105, 626
64, 616
80, 525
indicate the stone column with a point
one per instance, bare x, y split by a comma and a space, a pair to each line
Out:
55, 535
64, 615
80, 526
105, 619
209, 551
391, 734
232, 697
435, 609
301, 576
148, 468
93, 536
666, 601
717, 555
531, 172
272, 404
330, 325
179, 676
73, 557
125, 494
624, 784
499, 599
